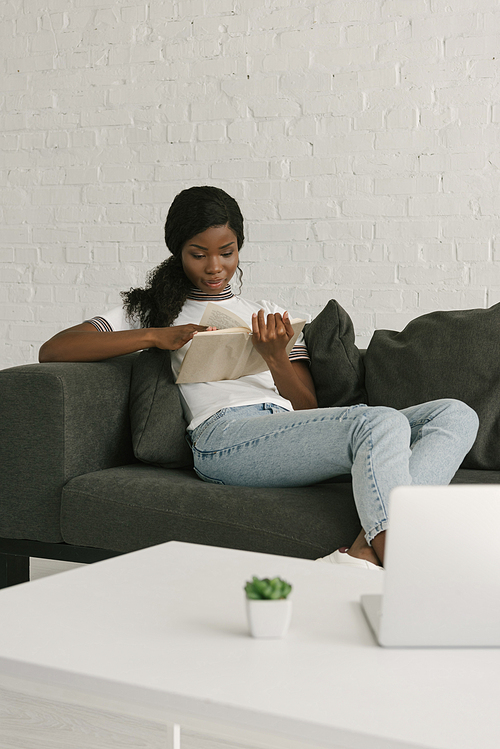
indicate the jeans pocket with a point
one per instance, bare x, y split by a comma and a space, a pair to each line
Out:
207, 478
199, 431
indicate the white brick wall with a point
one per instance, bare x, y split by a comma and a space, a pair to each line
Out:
362, 140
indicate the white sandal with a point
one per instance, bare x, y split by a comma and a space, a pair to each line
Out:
339, 557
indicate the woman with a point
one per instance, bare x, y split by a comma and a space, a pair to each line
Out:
266, 429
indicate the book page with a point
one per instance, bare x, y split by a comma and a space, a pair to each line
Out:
217, 317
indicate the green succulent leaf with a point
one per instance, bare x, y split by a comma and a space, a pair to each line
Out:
266, 589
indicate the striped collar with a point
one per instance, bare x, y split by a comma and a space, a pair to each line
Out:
200, 296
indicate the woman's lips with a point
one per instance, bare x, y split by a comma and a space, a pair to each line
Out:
214, 283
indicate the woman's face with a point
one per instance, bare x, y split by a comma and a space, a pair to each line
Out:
210, 259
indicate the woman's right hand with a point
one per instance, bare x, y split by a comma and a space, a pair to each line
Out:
177, 336
84, 343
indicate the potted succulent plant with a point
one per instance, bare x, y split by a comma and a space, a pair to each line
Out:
268, 610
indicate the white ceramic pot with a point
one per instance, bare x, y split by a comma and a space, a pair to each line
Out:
267, 618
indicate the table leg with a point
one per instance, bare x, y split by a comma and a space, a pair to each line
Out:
173, 736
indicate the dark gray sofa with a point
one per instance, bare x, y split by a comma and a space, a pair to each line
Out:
72, 485
73, 489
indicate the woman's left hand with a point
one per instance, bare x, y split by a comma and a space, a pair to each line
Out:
293, 380
272, 334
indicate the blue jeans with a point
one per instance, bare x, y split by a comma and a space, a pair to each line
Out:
266, 446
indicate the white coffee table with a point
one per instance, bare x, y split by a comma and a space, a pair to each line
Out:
161, 634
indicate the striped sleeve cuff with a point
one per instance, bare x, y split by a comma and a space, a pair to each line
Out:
299, 352
101, 324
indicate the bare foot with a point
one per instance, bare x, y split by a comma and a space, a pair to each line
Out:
361, 550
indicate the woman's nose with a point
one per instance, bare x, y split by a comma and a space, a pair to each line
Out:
214, 264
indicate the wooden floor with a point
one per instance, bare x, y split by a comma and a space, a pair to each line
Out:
27, 723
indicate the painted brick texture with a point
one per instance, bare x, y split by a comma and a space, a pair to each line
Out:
361, 139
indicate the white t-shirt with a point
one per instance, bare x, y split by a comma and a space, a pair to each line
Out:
202, 399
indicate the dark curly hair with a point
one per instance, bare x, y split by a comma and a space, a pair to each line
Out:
193, 211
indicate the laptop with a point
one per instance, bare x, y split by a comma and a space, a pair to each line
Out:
442, 569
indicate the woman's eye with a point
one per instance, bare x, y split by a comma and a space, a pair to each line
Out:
227, 254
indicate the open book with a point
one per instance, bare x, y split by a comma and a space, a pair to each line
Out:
226, 353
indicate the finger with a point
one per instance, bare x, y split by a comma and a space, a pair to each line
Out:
261, 318
281, 329
288, 325
280, 326
255, 325
271, 325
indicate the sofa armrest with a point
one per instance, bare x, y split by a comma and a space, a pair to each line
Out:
58, 421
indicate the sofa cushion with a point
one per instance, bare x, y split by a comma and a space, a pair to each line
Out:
135, 506
452, 354
336, 363
156, 418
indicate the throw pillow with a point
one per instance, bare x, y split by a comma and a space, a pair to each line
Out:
336, 363
452, 354
157, 421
